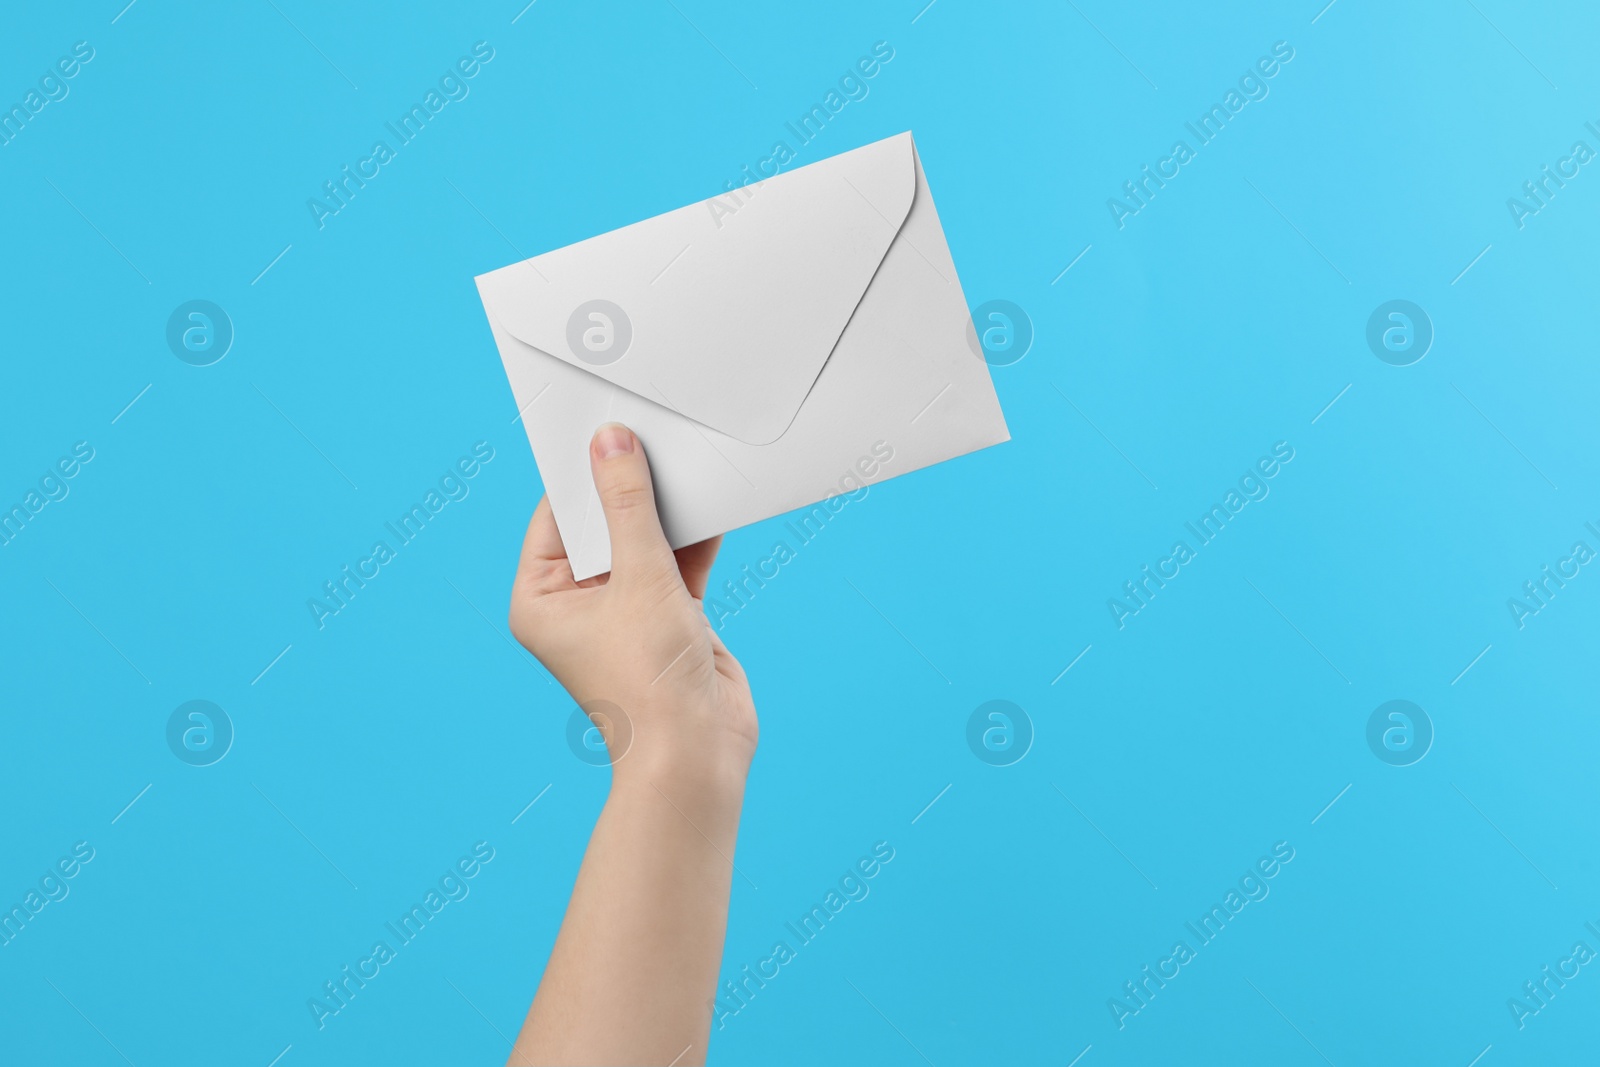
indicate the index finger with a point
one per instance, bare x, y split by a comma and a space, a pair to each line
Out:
542, 541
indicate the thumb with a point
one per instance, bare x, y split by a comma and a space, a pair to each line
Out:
622, 477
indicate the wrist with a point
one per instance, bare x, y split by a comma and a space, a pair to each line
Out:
703, 782
716, 778
688, 743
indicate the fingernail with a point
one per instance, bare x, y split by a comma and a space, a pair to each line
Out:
612, 439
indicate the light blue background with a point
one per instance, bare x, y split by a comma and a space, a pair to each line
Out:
1222, 319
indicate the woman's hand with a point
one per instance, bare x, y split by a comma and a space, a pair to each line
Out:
633, 973
634, 647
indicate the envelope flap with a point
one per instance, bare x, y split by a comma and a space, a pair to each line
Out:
724, 311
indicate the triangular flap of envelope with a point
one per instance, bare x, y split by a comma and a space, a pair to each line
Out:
724, 311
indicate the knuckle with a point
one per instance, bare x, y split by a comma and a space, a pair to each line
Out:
529, 617
652, 587
627, 497
547, 576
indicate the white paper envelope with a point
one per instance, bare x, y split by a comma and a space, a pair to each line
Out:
769, 348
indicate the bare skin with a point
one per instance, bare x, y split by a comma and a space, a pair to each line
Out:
634, 968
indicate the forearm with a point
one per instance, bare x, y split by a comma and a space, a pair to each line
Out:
633, 973
634, 969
